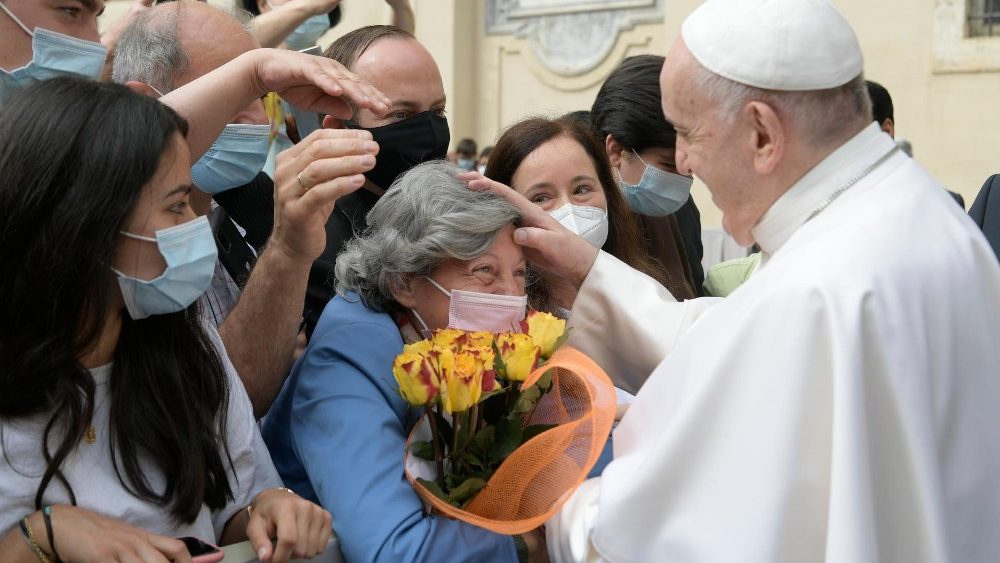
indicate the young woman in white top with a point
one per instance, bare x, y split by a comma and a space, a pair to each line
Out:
123, 425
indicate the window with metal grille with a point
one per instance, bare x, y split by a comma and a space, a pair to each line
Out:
982, 18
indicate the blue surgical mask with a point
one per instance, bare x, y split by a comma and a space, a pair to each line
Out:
658, 193
190, 253
53, 54
308, 32
467, 164
234, 159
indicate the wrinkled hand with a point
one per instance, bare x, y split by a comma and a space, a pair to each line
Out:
547, 244
82, 535
538, 551
315, 83
308, 180
302, 529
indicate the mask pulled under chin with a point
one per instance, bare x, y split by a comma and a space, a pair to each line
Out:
405, 144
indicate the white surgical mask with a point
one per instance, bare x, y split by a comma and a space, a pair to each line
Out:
591, 223
658, 193
471, 310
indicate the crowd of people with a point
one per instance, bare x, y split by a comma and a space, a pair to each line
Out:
204, 294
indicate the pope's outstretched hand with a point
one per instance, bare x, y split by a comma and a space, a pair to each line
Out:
547, 244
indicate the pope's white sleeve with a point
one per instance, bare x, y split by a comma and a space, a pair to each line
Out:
627, 322
567, 534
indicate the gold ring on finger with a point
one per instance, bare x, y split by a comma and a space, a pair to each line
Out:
301, 183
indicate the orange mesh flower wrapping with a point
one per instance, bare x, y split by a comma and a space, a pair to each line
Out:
565, 431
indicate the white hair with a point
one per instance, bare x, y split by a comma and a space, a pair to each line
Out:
150, 51
428, 216
820, 116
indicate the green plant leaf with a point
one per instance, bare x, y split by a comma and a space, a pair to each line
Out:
508, 438
533, 430
498, 364
435, 490
561, 340
481, 443
466, 490
544, 382
423, 449
526, 400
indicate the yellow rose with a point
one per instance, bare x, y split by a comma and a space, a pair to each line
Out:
418, 383
545, 330
450, 338
484, 361
423, 348
480, 339
461, 380
520, 356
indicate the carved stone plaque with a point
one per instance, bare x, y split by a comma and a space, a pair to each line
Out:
570, 37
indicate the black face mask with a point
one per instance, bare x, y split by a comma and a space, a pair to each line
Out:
405, 144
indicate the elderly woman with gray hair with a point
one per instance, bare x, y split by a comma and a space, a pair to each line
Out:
338, 429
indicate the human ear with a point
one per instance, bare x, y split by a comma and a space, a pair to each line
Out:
614, 151
889, 127
403, 293
767, 136
142, 88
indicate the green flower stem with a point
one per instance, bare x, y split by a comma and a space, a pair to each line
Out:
473, 421
435, 439
456, 425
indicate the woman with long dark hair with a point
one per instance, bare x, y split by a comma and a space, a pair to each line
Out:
122, 423
558, 165
640, 143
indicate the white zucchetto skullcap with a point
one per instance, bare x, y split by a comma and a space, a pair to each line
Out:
788, 45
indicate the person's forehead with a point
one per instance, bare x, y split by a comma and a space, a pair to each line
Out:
677, 95
556, 161
402, 69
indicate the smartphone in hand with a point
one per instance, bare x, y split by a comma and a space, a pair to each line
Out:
202, 552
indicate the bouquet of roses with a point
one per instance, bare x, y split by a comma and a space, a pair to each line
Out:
492, 402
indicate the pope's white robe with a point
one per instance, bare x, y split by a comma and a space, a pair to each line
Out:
842, 405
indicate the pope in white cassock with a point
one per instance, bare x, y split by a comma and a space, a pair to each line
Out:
844, 404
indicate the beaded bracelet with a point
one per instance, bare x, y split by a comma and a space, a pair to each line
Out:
30, 538
50, 531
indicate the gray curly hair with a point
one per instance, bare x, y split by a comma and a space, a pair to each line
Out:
427, 217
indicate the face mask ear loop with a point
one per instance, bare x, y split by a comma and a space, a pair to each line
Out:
426, 331
136, 237
640, 158
435, 284
16, 20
